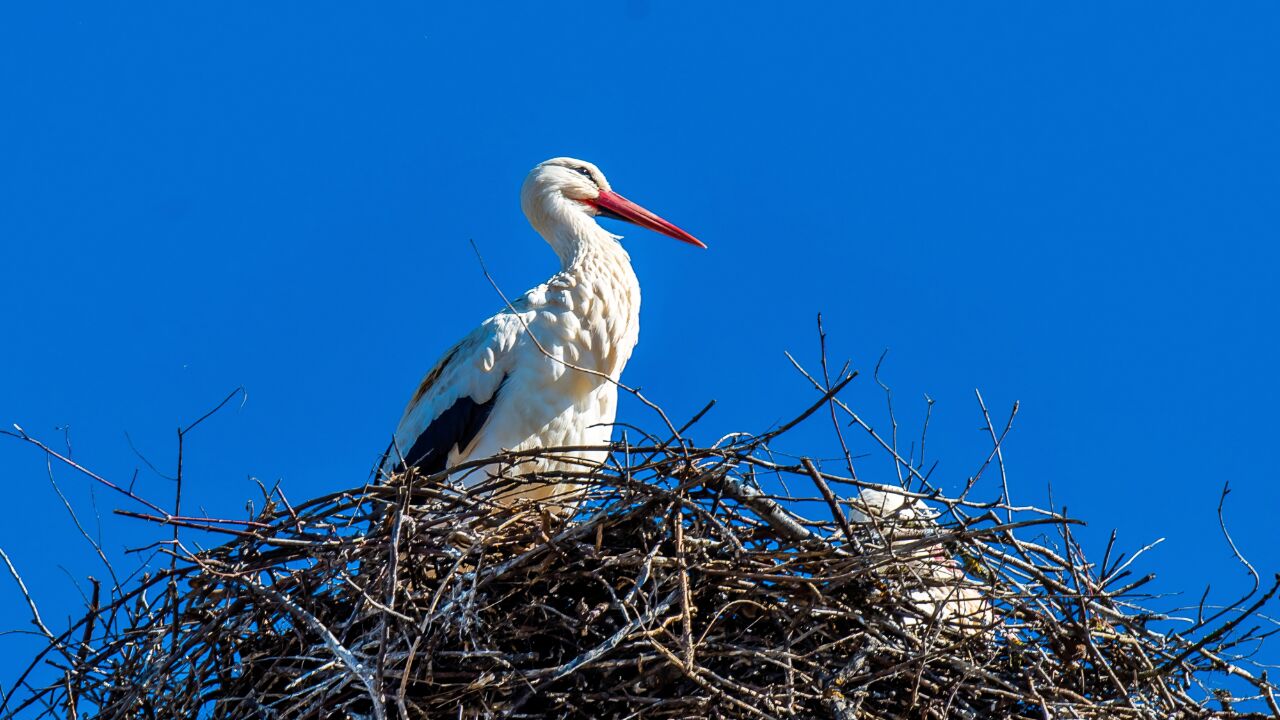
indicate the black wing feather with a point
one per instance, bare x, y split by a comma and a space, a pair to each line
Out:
455, 427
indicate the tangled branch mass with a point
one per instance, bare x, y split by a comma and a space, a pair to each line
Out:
679, 587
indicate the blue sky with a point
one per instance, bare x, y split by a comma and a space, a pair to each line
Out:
1073, 206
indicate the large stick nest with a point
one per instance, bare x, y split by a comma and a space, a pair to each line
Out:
680, 588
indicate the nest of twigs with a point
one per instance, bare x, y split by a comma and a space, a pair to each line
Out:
680, 588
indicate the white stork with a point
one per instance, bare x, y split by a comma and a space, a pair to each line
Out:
543, 371
936, 583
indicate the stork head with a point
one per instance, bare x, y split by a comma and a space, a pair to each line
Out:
563, 196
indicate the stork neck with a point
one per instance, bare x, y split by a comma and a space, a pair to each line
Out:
588, 253
601, 289
595, 251
580, 242
605, 297
600, 267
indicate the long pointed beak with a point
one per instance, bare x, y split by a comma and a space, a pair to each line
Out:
612, 205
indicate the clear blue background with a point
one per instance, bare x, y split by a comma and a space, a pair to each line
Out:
1075, 207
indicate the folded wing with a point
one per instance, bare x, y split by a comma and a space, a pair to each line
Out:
452, 405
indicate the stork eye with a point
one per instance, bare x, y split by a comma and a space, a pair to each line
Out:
585, 173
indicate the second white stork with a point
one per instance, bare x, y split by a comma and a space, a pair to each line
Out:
543, 372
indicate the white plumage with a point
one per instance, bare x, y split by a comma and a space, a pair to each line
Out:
936, 583
497, 389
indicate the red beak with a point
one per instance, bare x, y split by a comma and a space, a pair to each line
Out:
611, 204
